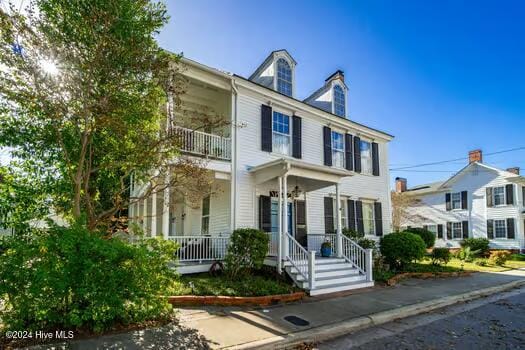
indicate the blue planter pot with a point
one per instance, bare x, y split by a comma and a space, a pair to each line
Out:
326, 252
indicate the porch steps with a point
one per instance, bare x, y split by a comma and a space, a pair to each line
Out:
331, 275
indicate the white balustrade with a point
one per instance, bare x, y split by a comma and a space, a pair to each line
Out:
361, 258
314, 241
202, 143
201, 248
300, 259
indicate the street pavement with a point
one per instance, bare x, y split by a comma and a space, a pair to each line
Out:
496, 322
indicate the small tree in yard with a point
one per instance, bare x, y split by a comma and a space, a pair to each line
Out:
401, 203
83, 90
247, 250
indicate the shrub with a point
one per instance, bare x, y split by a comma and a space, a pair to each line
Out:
70, 278
360, 239
467, 254
481, 262
401, 248
352, 234
247, 250
440, 256
428, 237
517, 257
499, 257
481, 245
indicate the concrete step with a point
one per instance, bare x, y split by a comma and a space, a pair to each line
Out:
324, 261
340, 287
333, 266
331, 274
331, 281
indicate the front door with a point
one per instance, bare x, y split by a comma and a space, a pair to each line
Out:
300, 222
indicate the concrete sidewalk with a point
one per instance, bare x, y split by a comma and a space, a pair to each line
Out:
235, 327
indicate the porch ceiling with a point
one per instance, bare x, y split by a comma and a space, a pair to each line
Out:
312, 176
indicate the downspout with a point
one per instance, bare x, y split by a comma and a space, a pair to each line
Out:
233, 185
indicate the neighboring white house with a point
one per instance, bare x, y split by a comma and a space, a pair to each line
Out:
478, 201
298, 169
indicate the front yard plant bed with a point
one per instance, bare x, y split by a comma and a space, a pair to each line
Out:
180, 300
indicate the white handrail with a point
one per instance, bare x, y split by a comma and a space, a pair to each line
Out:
203, 143
361, 258
300, 259
201, 248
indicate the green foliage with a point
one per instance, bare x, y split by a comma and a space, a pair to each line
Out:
481, 262
426, 235
326, 244
251, 285
70, 278
246, 252
402, 248
467, 254
381, 275
499, 257
360, 239
480, 245
352, 234
517, 257
440, 256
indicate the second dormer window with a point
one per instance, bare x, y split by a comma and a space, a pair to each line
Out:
284, 77
339, 101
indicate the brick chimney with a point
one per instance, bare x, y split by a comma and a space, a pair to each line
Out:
475, 156
339, 74
514, 170
401, 184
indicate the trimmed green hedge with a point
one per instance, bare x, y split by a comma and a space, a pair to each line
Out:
401, 248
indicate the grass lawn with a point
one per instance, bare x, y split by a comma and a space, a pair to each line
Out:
257, 285
471, 266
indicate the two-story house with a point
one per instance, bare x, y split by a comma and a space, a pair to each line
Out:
299, 169
478, 201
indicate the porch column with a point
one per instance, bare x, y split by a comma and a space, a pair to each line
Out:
285, 215
166, 210
280, 236
154, 214
339, 242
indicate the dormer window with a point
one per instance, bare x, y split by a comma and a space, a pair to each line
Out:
339, 101
284, 77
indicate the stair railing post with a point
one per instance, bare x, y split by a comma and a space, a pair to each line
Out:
339, 232
311, 269
369, 265
280, 237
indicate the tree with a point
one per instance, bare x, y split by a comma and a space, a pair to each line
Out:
401, 203
83, 92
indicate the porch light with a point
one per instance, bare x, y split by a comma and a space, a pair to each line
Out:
296, 193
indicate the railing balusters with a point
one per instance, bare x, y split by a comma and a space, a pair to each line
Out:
202, 143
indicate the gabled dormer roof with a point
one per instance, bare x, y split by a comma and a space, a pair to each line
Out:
323, 97
268, 60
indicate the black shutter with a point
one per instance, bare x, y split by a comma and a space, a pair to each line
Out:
464, 200
266, 128
329, 214
509, 189
378, 215
449, 203
351, 214
465, 229
359, 217
375, 159
490, 197
490, 229
523, 195
327, 142
265, 213
449, 230
297, 133
511, 234
440, 231
349, 156
357, 154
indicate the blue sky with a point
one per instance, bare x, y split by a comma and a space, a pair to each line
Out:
444, 77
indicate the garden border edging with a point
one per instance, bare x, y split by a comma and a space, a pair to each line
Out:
185, 300
392, 281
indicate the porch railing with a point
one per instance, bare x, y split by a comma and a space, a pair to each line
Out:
361, 258
314, 241
301, 259
201, 248
202, 143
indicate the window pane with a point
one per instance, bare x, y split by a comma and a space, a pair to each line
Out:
275, 215
499, 195
339, 101
456, 230
368, 218
338, 147
284, 77
206, 206
456, 200
281, 133
366, 158
500, 229
432, 228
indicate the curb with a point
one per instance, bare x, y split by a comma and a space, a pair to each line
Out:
331, 331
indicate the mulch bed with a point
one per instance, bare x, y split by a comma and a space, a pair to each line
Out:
426, 275
192, 300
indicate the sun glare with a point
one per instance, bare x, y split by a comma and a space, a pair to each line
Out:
49, 67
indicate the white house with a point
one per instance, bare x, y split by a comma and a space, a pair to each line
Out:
300, 170
478, 201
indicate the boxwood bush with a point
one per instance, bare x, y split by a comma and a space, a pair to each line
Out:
402, 248
246, 252
428, 237
70, 278
479, 245
440, 256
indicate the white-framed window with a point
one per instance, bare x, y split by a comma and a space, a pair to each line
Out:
338, 150
339, 101
499, 195
284, 77
433, 228
205, 222
366, 157
281, 133
456, 200
457, 230
369, 223
500, 228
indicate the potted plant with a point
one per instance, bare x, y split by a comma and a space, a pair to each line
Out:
326, 249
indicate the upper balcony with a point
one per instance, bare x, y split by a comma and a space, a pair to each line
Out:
203, 144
